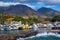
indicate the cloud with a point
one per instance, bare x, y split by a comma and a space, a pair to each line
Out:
52, 2
47, 2
49, 6
12, 3
40, 3
28, 0
9, 0
7, 3
33, 7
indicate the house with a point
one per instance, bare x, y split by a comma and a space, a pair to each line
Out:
15, 25
46, 24
26, 27
25, 17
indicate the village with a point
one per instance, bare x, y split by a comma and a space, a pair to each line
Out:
44, 25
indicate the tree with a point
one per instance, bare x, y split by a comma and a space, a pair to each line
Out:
53, 14
56, 18
3, 18
47, 14
30, 21
47, 19
18, 18
36, 20
33, 13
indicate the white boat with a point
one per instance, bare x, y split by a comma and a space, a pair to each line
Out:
35, 27
57, 24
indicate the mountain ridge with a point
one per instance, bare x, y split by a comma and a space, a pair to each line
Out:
17, 9
22, 9
45, 10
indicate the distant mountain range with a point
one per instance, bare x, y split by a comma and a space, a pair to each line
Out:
22, 9
17, 10
49, 11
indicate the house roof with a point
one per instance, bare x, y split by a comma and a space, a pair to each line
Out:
45, 22
9, 19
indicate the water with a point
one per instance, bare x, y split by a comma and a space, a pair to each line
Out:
10, 31
40, 36
13, 31
43, 36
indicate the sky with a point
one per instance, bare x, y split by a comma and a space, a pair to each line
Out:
34, 4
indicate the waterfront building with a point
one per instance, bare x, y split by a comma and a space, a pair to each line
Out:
16, 24
26, 27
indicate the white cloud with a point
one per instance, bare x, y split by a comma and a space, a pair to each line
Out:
49, 6
8, 3
28, 0
51, 2
40, 3
11, 3
47, 2
22, 0
33, 7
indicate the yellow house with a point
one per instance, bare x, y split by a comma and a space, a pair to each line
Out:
26, 27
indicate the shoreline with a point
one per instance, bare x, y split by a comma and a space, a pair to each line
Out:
15, 36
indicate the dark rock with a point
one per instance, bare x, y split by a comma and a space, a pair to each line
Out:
15, 36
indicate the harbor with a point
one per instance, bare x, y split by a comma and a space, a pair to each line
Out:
29, 19
11, 33
13, 36
17, 27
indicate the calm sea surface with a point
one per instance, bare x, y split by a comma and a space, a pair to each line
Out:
11, 31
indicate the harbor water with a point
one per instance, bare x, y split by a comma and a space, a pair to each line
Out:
11, 31
43, 36
39, 36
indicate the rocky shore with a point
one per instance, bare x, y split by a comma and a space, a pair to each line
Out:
15, 36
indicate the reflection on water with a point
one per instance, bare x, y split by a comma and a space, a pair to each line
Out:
11, 31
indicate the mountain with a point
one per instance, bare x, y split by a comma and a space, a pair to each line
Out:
49, 11
23, 9
17, 10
